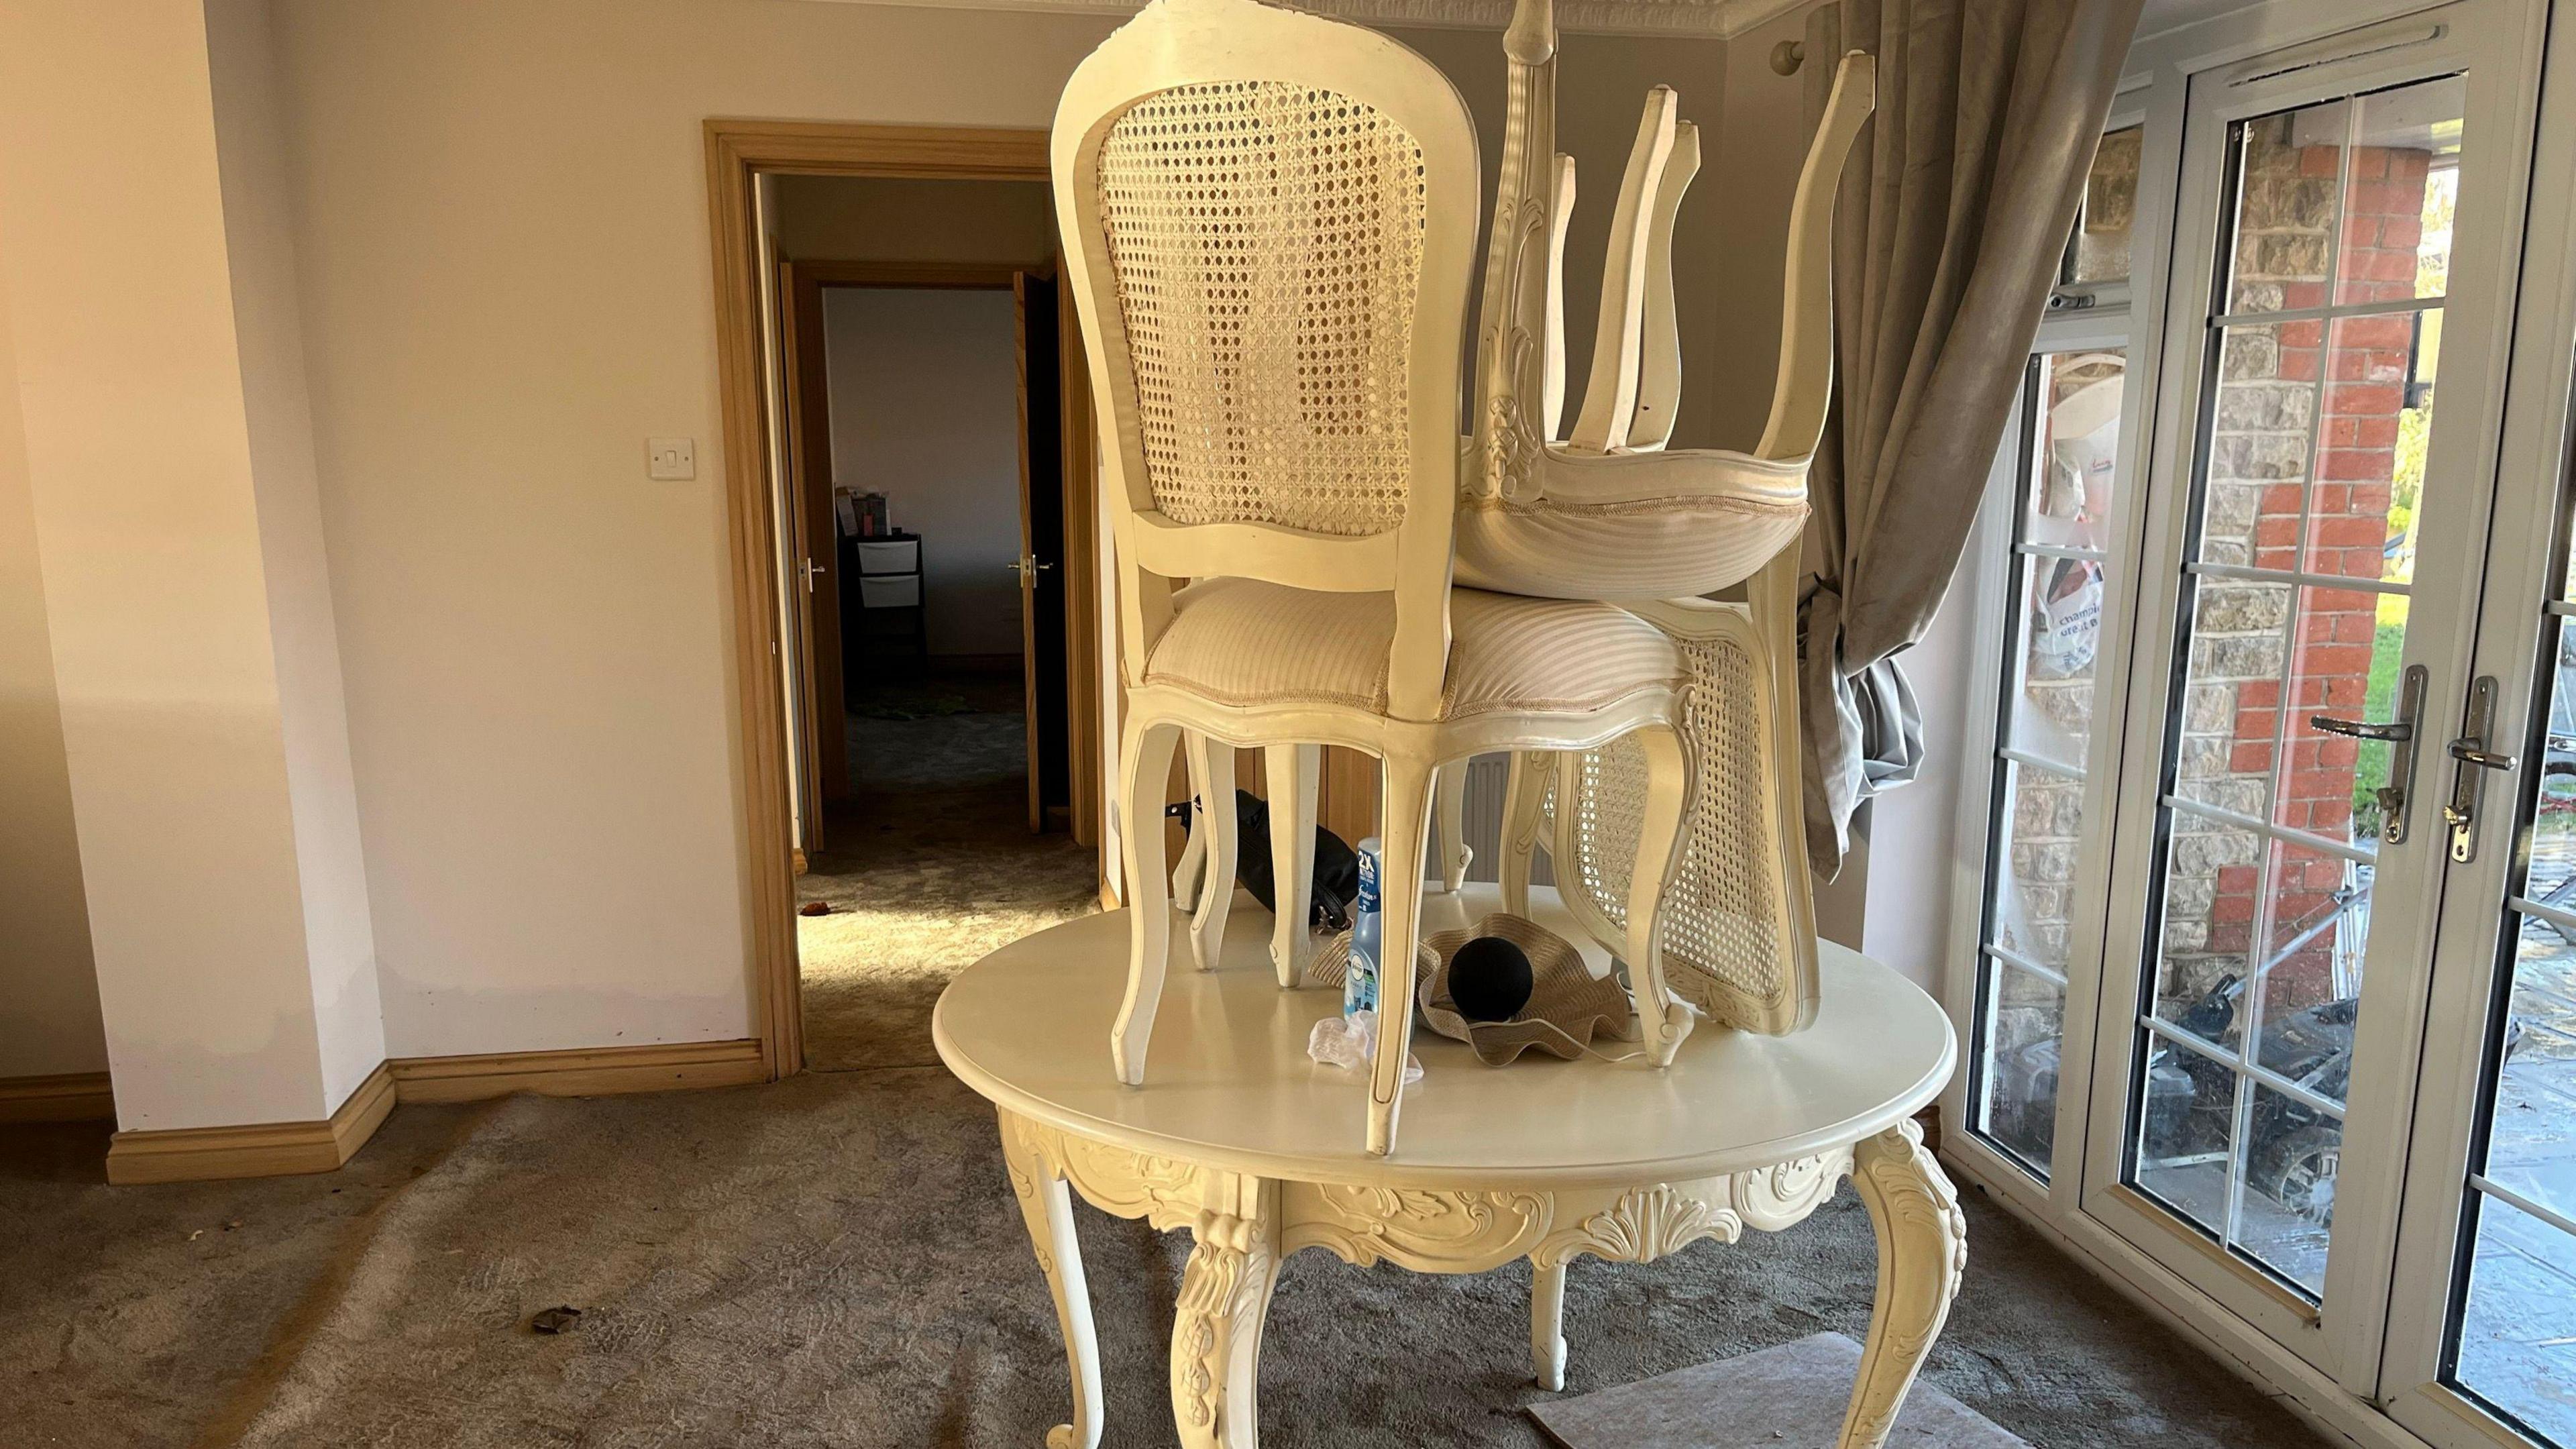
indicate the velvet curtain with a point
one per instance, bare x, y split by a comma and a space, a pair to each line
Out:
1949, 226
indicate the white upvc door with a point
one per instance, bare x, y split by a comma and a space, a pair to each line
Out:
2481, 1345
2310, 566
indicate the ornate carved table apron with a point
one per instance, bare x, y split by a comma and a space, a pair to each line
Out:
1237, 1137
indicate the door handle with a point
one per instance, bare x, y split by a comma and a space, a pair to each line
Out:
2473, 757
2399, 735
1024, 566
2397, 731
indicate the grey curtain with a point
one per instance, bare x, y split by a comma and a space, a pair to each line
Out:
1948, 230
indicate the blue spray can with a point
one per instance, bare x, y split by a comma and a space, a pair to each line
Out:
1359, 983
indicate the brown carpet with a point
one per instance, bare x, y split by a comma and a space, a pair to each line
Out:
836, 1260
930, 867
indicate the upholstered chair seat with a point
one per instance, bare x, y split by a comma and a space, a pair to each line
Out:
1245, 643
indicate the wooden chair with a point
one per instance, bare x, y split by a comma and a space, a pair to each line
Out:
1738, 933
1268, 220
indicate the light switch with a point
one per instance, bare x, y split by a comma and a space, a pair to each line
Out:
672, 457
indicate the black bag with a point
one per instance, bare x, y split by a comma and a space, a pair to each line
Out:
1337, 866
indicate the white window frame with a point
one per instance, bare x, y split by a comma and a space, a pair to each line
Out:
2154, 91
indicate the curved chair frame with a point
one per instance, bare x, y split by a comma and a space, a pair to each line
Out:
1180, 43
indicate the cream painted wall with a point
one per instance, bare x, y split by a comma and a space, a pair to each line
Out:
181, 704
49, 1020
925, 409
507, 288
1602, 82
339, 926
1759, 146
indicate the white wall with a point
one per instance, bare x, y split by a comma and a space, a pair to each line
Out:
49, 1019
924, 387
507, 288
170, 527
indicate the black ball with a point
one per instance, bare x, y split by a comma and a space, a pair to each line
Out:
1489, 979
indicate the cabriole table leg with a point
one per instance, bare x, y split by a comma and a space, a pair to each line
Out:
1922, 1250
1046, 1204
1216, 1332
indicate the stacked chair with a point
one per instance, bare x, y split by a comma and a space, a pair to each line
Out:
1268, 226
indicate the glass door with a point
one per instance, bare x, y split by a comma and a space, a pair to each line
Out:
2315, 547
2482, 1343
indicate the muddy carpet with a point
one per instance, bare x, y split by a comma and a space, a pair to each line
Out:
836, 1261
930, 866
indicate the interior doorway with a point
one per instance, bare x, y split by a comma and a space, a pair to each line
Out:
916, 569
925, 455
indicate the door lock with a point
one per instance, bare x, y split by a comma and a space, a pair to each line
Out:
2472, 755
2399, 735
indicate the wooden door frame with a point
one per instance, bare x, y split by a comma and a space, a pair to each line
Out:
738, 152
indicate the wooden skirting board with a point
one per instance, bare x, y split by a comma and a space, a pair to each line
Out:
584, 1072
260, 1149
279, 1149
72, 1097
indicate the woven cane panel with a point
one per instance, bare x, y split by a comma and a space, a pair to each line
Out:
1721, 913
1266, 244
1608, 809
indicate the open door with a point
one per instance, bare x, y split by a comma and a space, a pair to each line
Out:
798, 354
1041, 561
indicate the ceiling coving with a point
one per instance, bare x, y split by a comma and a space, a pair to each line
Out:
1719, 18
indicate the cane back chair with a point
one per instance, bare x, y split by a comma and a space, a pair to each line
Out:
1268, 220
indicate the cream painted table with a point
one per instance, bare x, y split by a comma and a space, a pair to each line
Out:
1257, 1151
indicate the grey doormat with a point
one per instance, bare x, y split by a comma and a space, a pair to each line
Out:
1790, 1397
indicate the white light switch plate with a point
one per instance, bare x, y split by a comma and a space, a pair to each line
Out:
672, 457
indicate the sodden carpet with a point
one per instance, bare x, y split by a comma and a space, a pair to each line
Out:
836, 1260
931, 867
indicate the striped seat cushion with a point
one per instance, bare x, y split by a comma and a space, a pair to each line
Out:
1244, 642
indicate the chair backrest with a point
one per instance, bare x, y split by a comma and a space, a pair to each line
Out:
1269, 224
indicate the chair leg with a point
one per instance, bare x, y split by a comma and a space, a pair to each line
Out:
1294, 773
1193, 863
1659, 849
1406, 813
1145, 768
1526, 789
1448, 832
1213, 760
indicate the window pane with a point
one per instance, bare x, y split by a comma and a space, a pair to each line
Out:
2071, 496
2286, 1185
2553, 828
2231, 726
2061, 628
2363, 508
2213, 894
2289, 176
2100, 250
2024, 1029
2531, 1147
2402, 179
2262, 425
2065, 501
2346, 666
2318, 917
2186, 1132
2042, 820
2517, 1347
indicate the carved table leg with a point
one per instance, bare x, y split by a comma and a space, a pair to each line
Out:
1047, 1205
1922, 1249
1547, 1324
1216, 1334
